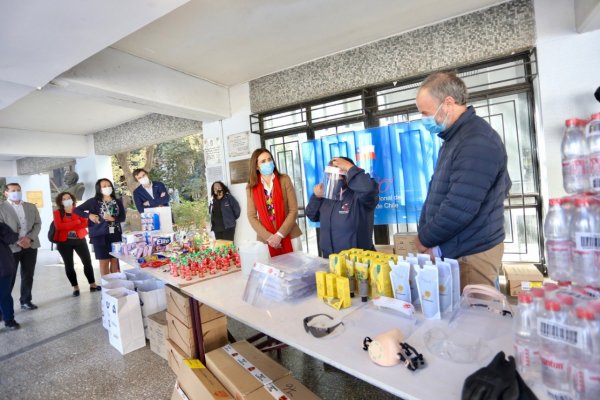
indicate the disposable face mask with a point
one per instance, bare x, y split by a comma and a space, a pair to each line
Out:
267, 168
107, 191
384, 349
15, 196
67, 203
429, 295
432, 125
400, 277
144, 180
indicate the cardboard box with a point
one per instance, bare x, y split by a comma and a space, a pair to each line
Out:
385, 248
178, 305
404, 243
225, 364
521, 277
214, 334
158, 333
196, 382
181, 334
286, 387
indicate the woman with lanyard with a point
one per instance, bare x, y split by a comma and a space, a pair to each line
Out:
105, 213
272, 204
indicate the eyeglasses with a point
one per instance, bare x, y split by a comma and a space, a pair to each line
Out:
317, 331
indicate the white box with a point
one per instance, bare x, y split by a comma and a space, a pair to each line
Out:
126, 330
111, 284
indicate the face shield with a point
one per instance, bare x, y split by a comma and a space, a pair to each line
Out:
334, 182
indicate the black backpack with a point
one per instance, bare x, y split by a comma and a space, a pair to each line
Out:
52, 231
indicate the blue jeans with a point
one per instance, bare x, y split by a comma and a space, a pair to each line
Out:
6, 301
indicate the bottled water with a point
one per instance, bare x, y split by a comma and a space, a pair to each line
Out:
526, 342
558, 243
554, 354
592, 133
585, 357
584, 242
574, 151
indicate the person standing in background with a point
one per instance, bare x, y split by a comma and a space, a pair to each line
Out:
70, 237
149, 194
105, 213
224, 210
23, 218
272, 204
7, 271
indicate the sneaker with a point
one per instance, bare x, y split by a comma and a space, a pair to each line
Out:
28, 306
12, 324
75, 293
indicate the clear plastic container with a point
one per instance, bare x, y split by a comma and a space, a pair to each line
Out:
574, 150
558, 243
554, 353
585, 367
526, 341
583, 233
592, 133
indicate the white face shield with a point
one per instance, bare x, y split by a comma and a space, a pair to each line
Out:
334, 182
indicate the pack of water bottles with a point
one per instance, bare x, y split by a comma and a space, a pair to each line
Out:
580, 150
150, 221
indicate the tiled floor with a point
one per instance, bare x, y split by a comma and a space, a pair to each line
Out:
62, 352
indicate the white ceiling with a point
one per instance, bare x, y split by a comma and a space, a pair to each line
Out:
180, 50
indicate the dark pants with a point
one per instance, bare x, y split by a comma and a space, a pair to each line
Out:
27, 259
66, 252
227, 234
7, 307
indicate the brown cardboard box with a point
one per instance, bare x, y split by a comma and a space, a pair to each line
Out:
208, 314
181, 334
404, 243
384, 248
178, 304
158, 333
194, 379
214, 334
237, 379
290, 387
521, 277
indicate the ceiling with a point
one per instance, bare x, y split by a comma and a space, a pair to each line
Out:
92, 65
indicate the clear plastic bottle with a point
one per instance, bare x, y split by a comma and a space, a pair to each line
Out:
527, 353
554, 353
583, 241
592, 133
558, 243
574, 151
585, 357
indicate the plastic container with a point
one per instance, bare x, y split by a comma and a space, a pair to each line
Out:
558, 243
585, 356
526, 341
583, 231
554, 353
251, 253
574, 150
592, 133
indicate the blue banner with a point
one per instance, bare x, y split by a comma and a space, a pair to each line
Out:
400, 157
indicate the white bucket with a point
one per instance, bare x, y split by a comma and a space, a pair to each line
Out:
252, 252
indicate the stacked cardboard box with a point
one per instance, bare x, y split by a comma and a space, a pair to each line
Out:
404, 243
521, 277
179, 322
158, 333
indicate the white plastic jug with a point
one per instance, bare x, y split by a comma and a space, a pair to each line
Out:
252, 252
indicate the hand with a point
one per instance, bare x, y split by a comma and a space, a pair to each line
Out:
163, 194
24, 242
274, 241
342, 164
420, 247
94, 218
147, 203
108, 218
319, 190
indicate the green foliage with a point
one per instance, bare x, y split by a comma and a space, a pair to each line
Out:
191, 214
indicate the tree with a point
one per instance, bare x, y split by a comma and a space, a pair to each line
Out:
125, 163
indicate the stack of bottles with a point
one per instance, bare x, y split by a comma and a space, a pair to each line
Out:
557, 340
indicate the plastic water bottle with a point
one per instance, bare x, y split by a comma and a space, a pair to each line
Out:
592, 133
583, 242
554, 354
585, 356
558, 243
526, 342
574, 157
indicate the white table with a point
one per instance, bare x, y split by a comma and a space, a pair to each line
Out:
284, 322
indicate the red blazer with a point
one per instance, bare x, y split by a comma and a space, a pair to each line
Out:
65, 224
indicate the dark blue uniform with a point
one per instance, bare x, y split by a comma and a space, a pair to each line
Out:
347, 223
141, 195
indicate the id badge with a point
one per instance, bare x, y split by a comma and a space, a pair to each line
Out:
111, 230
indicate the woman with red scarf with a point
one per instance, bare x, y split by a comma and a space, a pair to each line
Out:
272, 204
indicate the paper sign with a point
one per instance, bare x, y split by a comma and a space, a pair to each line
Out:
194, 364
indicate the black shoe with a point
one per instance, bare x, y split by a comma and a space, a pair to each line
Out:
28, 306
75, 293
12, 324
95, 289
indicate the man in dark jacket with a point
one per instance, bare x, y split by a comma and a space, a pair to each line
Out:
346, 223
463, 215
149, 194
7, 272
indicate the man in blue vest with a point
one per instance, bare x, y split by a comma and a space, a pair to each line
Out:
346, 222
463, 215
149, 194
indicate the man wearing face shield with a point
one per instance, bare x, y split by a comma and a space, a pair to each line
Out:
463, 215
345, 207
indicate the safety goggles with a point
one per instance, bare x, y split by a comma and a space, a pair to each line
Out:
318, 331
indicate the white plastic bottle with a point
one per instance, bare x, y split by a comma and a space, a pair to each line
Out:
558, 243
554, 353
592, 133
583, 241
574, 151
526, 341
585, 357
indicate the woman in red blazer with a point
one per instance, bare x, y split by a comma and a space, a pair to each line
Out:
71, 231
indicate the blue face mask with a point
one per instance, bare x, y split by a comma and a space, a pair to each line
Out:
432, 125
267, 168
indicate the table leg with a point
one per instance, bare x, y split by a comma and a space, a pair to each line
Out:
197, 330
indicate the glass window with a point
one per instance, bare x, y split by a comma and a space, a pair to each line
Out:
335, 130
332, 110
285, 120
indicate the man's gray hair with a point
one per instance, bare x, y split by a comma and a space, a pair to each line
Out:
443, 84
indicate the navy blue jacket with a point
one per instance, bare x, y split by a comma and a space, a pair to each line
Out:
464, 210
98, 232
7, 260
141, 195
230, 209
347, 223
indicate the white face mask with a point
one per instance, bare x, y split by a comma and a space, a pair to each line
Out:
15, 196
107, 191
67, 203
144, 181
